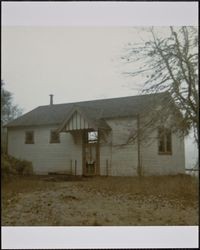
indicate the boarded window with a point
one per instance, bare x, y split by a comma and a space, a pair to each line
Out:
164, 141
54, 137
29, 137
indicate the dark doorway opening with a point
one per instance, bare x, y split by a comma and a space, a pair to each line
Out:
90, 153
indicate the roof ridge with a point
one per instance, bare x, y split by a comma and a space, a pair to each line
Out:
113, 98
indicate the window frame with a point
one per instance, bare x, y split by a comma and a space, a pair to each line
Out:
165, 134
51, 140
27, 141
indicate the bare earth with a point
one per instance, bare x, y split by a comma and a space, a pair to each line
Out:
105, 201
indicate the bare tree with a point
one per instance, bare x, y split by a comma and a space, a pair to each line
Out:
170, 63
9, 111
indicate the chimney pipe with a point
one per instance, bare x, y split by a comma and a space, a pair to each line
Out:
51, 99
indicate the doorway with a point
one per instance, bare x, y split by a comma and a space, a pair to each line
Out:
90, 153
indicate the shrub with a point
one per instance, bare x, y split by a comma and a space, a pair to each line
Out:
5, 167
26, 167
12, 165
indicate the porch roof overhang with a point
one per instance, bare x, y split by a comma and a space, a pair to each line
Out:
78, 119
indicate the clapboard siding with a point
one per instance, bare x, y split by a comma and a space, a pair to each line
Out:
117, 158
105, 159
45, 156
153, 163
123, 157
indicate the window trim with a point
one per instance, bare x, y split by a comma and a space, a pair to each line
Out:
33, 137
54, 141
165, 131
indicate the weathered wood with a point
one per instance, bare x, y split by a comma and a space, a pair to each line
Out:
71, 166
75, 167
138, 143
107, 167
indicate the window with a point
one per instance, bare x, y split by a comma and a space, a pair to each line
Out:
54, 137
29, 137
164, 141
91, 137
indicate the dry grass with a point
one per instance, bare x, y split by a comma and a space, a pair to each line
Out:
155, 200
182, 187
15, 184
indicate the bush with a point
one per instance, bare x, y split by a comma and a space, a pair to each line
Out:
26, 167
5, 167
12, 165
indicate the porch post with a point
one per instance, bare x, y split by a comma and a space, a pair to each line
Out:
139, 169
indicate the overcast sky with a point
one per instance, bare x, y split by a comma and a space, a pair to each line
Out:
73, 63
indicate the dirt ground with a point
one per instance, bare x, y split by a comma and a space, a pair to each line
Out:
99, 201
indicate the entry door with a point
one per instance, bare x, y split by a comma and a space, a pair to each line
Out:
90, 153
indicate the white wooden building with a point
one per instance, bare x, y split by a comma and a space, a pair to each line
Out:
93, 138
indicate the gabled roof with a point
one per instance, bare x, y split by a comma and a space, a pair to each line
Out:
96, 110
95, 123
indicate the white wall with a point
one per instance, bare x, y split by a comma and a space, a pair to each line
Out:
191, 151
116, 157
122, 157
45, 156
154, 163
